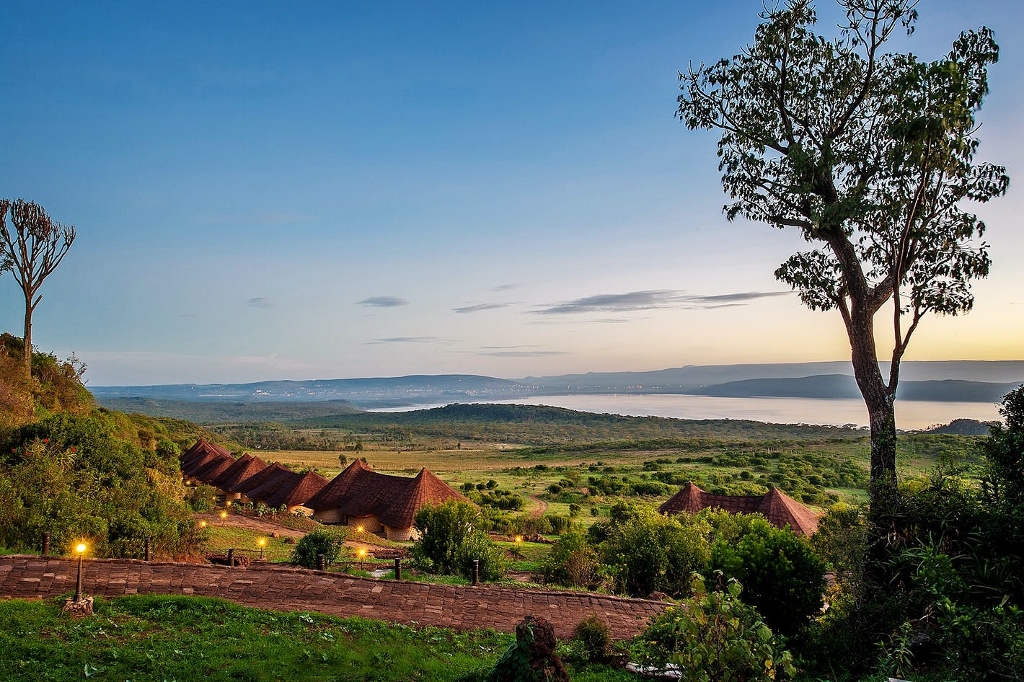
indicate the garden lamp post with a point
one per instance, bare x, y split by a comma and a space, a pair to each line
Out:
223, 516
362, 556
262, 543
80, 549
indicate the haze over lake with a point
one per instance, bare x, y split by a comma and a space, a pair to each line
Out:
909, 414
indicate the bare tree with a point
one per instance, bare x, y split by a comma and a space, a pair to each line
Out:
34, 245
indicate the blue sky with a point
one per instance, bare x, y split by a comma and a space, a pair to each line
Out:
338, 189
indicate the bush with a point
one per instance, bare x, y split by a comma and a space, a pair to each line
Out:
75, 477
594, 639
443, 529
713, 636
320, 541
784, 579
478, 546
572, 562
648, 552
450, 539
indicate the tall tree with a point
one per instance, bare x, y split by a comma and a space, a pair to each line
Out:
870, 155
34, 245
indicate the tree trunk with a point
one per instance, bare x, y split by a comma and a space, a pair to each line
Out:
27, 357
880, 402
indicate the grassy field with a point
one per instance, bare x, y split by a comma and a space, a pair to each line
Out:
247, 541
151, 638
530, 471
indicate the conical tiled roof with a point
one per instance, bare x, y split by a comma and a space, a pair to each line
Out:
780, 509
341, 487
203, 450
244, 467
361, 491
216, 465
293, 491
259, 479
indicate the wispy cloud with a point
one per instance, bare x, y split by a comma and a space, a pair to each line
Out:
505, 287
480, 307
524, 353
383, 302
652, 299
409, 339
739, 298
259, 302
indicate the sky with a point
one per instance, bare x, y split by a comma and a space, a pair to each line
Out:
303, 190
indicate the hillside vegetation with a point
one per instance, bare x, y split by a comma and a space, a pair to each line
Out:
85, 473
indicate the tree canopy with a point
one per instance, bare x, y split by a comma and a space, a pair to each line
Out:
870, 155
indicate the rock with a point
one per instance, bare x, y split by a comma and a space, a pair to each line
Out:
77, 609
660, 596
532, 657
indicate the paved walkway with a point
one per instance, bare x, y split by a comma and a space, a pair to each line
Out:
294, 589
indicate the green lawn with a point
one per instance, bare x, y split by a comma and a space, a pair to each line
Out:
151, 638
221, 538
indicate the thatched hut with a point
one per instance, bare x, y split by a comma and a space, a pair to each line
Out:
379, 503
780, 509
203, 462
244, 467
291, 491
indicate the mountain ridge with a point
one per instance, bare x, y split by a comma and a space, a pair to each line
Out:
966, 381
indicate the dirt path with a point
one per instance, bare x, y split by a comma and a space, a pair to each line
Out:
294, 589
541, 507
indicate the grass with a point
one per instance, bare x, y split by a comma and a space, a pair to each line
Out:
221, 538
157, 638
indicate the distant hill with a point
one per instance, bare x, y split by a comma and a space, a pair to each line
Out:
831, 386
375, 392
541, 425
218, 412
963, 427
945, 381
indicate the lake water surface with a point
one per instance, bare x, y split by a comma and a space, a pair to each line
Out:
910, 414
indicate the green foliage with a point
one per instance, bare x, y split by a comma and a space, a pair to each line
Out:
647, 552
782, 576
477, 546
713, 637
329, 542
959, 563
193, 638
450, 539
55, 385
572, 562
443, 530
74, 477
594, 639
841, 541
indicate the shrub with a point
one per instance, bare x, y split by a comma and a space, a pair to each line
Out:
320, 541
648, 552
572, 561
594, 639
450, 539
477, 546
443, 529
75, 477
713, 636
783, 577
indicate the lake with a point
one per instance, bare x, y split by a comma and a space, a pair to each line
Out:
910, 414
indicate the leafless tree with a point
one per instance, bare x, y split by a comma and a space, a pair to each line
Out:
33, 246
